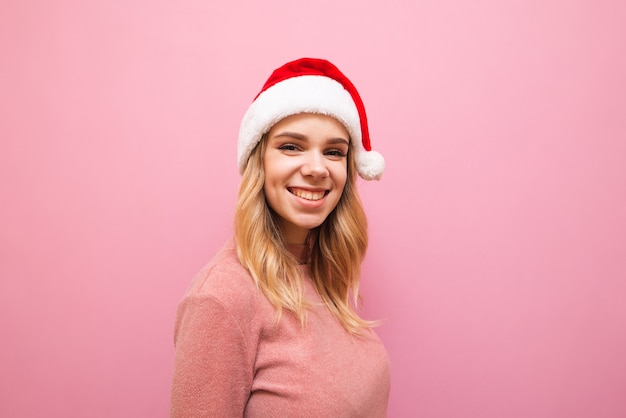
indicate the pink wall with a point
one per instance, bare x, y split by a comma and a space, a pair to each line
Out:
498, 253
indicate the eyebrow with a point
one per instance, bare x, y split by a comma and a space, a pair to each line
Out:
299, 136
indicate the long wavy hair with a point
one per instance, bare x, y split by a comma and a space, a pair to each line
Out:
336, 249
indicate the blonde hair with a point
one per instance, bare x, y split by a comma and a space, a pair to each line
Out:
337, 248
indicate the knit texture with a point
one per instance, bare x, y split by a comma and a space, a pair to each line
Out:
233, 359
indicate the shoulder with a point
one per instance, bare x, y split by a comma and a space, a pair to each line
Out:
225, 282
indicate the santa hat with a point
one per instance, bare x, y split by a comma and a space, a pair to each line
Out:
310, 85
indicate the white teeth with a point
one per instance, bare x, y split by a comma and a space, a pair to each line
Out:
305, 194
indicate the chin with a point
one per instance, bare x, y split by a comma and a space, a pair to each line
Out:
310, 224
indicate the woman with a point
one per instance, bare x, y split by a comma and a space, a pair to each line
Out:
268, 328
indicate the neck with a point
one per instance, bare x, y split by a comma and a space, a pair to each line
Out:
299, 251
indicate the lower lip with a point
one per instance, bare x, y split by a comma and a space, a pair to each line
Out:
309, 204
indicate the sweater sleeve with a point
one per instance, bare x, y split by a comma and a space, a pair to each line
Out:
213, 365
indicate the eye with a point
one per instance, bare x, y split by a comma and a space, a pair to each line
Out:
288, 147
336, 152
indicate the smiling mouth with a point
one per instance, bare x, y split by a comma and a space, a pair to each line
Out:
307, 194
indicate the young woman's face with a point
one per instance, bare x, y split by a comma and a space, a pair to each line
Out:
306, 168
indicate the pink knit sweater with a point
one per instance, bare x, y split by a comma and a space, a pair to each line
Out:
234, 360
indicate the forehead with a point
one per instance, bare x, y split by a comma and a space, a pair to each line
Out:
311, 125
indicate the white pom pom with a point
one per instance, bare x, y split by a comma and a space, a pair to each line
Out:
370, 165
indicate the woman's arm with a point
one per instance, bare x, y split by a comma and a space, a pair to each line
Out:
213, 366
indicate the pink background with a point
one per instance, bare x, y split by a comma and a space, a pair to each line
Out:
498, 233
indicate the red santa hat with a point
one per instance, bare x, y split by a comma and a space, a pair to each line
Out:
310, 85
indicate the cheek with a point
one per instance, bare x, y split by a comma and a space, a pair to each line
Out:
270, 196
272, 178
269, 169
273, 184
341, 176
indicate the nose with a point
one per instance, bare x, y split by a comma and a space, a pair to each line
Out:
315, 165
